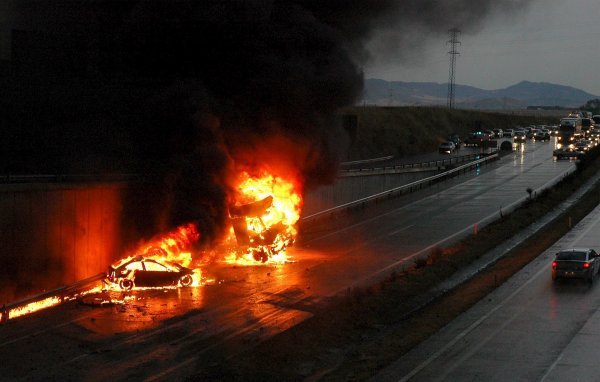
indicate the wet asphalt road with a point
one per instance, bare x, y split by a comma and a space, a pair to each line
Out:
529, 329
165, 335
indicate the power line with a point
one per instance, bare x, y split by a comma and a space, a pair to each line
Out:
454, 33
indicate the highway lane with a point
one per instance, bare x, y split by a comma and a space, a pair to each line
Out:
529, 329
169, 334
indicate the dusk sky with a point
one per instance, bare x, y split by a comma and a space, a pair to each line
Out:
553, 41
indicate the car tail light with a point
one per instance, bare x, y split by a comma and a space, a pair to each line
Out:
554, 265
586, 265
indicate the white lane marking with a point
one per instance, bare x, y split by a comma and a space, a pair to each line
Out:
562, 353
480, 320
553, 365
400, 230
474, 325
43, 331
581, 235
473, 349
427, 198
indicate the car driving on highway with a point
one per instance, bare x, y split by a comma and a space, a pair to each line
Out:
519, 137
541, 135
447, 148
583, 146
478, 138
582, 263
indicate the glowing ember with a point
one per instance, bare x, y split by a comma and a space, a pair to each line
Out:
45, 303
34, 307
263, 226
263, 219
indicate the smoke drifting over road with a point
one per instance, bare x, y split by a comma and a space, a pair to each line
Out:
229, 85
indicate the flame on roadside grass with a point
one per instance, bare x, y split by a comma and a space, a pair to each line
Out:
272, 232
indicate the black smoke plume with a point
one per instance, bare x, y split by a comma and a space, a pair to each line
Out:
186, 93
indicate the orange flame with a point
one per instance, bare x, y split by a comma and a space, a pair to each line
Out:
270, 232
274, 229
173, 247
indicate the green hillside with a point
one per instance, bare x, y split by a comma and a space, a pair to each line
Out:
406, 131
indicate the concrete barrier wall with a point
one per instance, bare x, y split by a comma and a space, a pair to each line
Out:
55, 234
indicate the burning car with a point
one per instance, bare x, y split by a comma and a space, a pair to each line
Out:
141, 271
251, 232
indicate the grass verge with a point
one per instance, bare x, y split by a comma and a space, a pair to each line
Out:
354, 335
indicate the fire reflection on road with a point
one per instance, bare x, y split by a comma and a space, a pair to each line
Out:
142, 309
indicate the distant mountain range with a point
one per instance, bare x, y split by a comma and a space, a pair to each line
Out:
519, 96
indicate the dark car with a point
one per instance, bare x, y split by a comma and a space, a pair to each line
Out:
580, 263
140, 271
455, 138
477, 139
519, 137
447, 148
567, 152
541, 135
583, 146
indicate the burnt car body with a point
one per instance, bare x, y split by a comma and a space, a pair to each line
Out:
582, 263
141, 271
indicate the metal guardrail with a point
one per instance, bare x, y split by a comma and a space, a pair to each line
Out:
428, 164
69, 291
381, 159
395, 191
62, 292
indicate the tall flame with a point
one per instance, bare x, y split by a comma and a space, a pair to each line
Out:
173, 247
273, 229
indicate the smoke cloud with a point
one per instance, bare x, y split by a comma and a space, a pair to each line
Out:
200, 90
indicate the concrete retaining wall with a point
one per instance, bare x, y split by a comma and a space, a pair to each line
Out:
54, 234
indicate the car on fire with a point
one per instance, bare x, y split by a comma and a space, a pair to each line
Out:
140, 271
583, 263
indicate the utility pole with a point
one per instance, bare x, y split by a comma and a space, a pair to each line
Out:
454, 33
390, 95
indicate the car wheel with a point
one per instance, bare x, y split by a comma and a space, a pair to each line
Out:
126, 284
186, 280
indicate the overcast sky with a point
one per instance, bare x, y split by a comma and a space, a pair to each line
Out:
555, 41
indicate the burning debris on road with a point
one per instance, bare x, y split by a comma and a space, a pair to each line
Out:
226, 110
265, 227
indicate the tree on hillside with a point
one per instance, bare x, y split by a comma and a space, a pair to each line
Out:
592, 105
